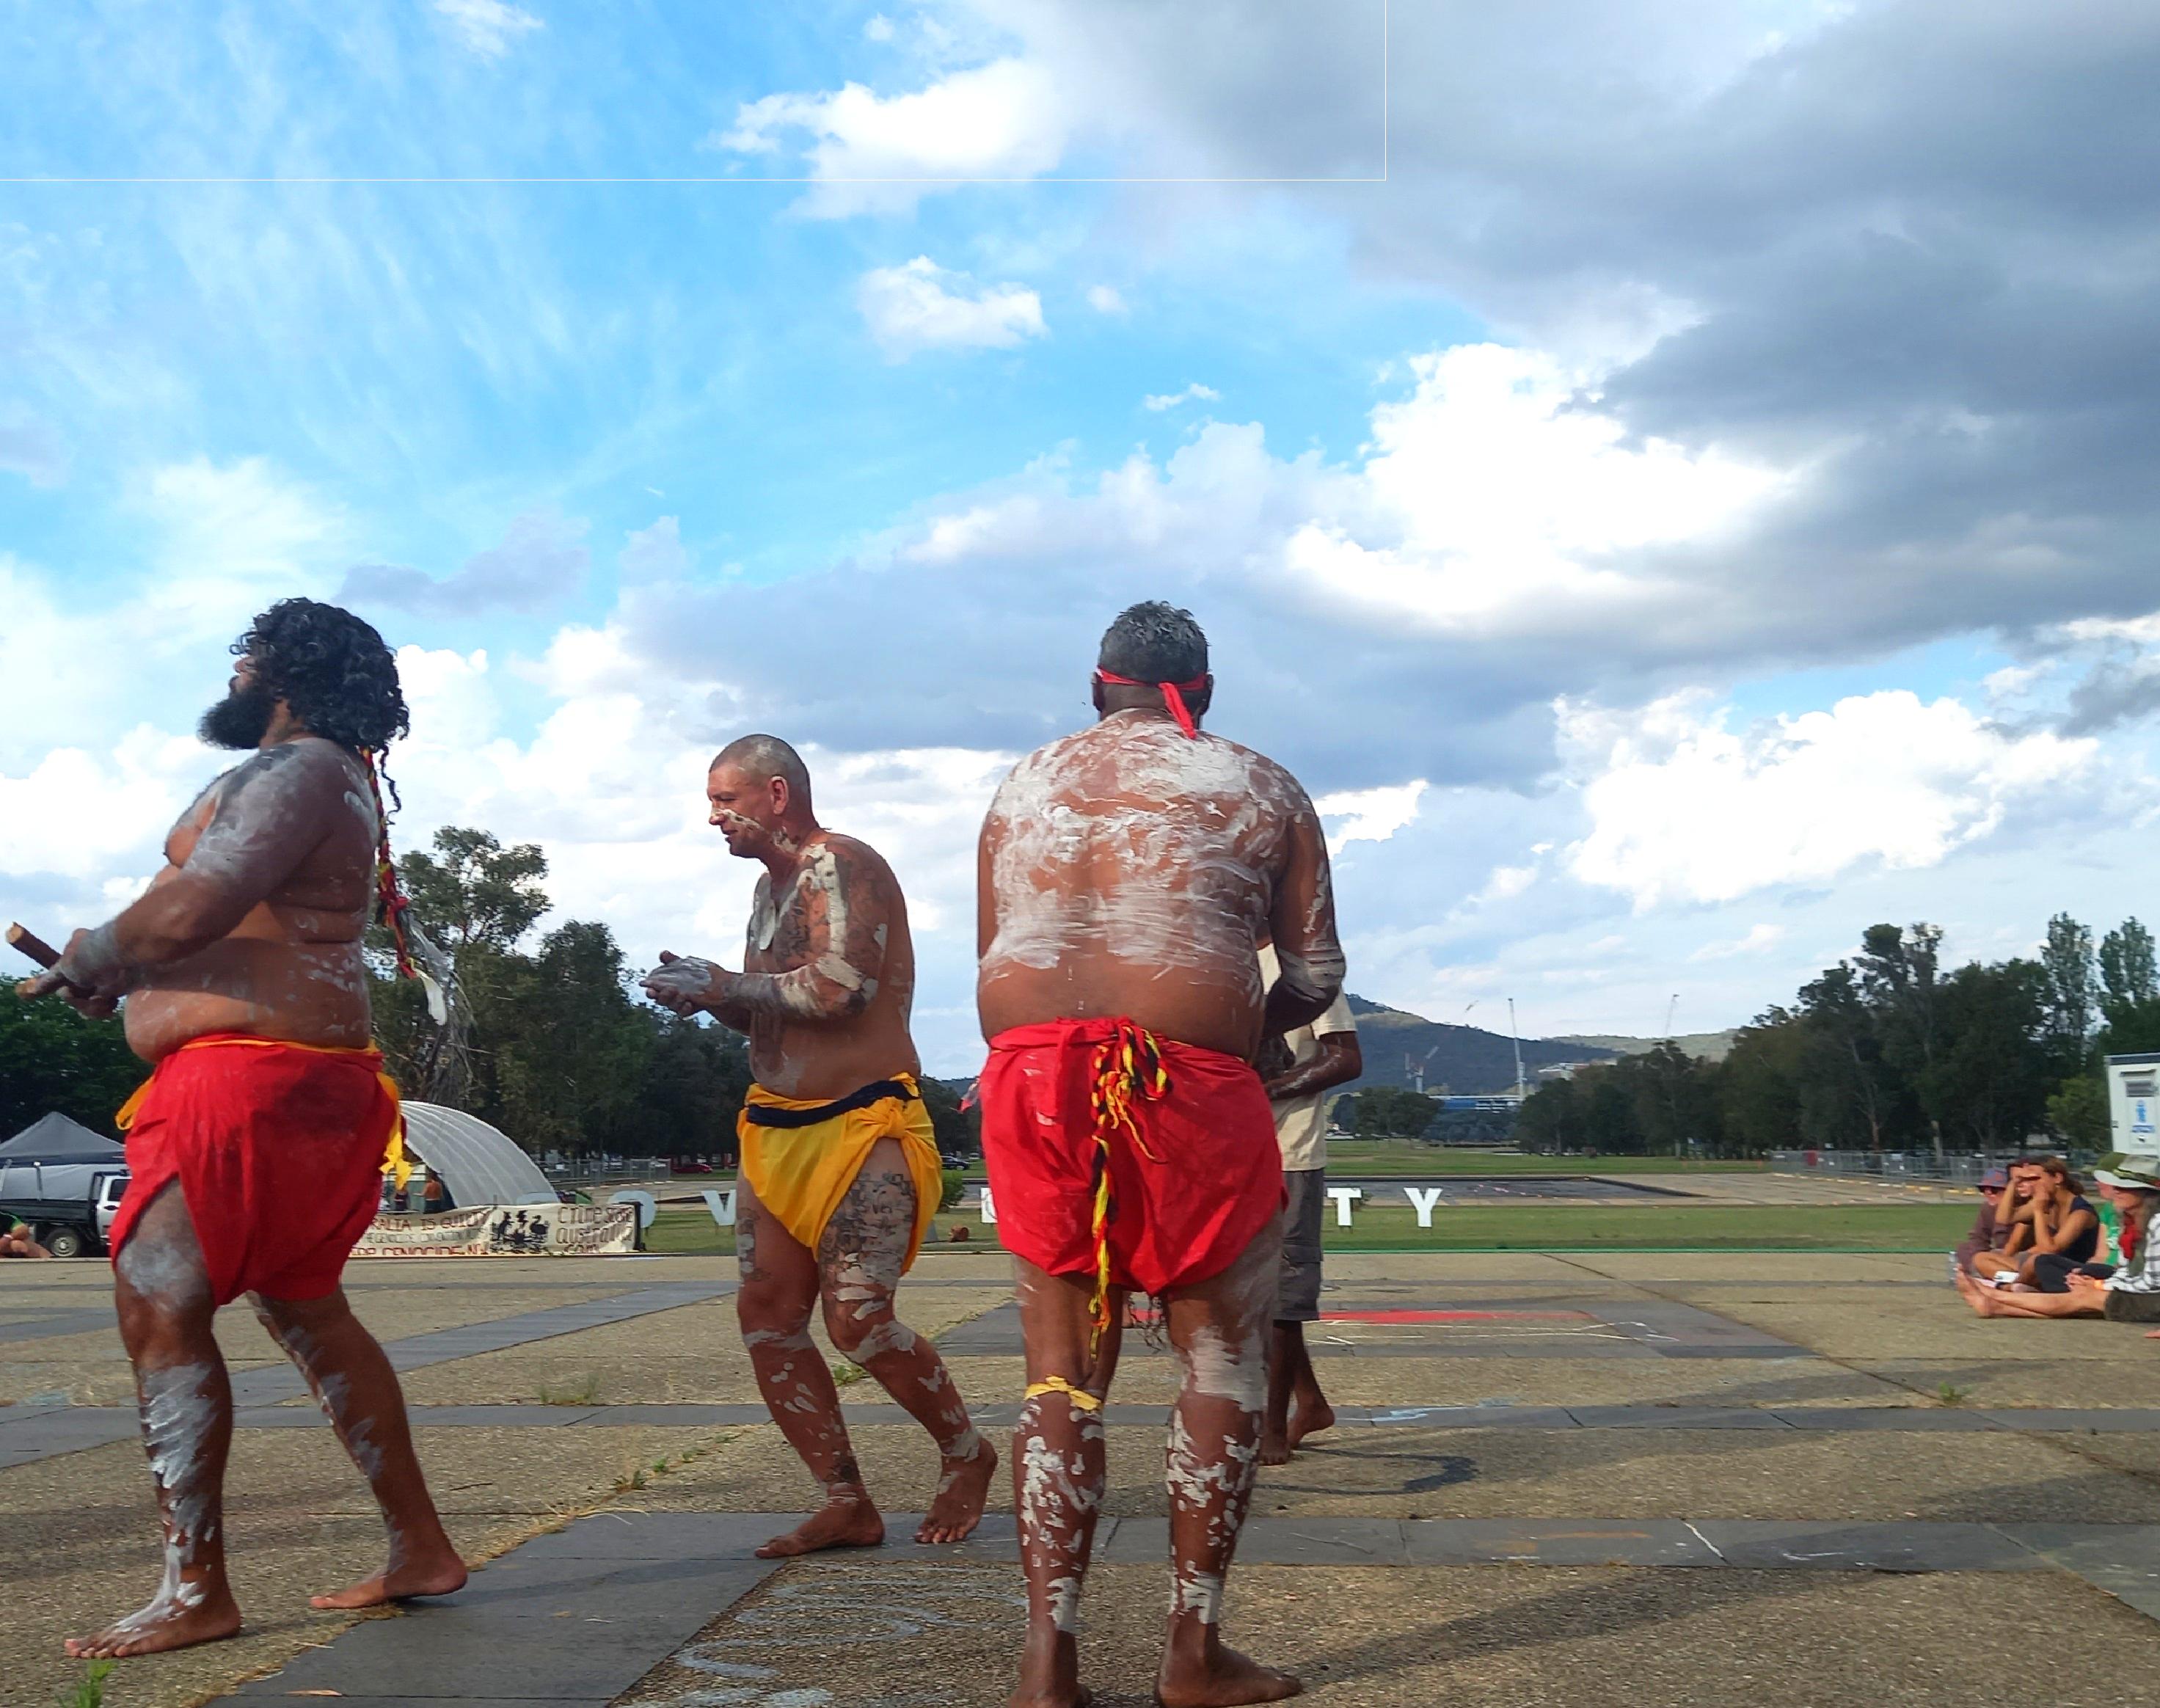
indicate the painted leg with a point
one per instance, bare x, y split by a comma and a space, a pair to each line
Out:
779, 1291
163, 1291
351, 1380
859, 1265
1221, 1329
1058, 1475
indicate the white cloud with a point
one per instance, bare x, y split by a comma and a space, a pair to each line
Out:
1105, 299
1513, 500
76, 814
878, 29
1194, 393
1005, 120
1757, 940
1682, 809
919, 305
1369, 815
488, 28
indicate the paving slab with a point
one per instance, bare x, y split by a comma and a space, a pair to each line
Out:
1893, 1547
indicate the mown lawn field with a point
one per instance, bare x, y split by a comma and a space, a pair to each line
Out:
1535, 1228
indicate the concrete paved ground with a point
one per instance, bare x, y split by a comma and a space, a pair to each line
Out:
1642, 1409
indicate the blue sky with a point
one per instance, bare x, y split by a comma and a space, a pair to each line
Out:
1695, 507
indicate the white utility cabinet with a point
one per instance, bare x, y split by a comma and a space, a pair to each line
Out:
2133, 1103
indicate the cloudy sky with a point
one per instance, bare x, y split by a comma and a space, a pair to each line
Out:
1674, 477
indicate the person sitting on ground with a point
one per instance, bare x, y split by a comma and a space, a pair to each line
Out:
2063, 1222
2014, 1223
2128, 1291
19, 1241
1991, 1226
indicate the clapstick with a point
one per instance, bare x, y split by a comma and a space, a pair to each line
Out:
31, 944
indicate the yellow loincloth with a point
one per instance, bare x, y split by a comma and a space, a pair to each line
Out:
801, 1174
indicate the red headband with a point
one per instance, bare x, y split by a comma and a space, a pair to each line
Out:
1173, 696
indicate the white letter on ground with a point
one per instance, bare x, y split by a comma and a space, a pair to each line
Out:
1344, 1196
989, 1209
722, 1205
1422, 1199
648, 1207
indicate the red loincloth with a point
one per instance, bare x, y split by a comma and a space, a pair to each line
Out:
1183, 1137
279, 1149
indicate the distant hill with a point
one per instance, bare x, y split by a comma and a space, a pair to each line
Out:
1704, 1046
1468, 1061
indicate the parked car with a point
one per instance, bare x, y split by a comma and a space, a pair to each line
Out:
688, 1164
68, 1206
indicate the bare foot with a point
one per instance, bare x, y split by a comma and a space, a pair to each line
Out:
172, 1621
1050, 1674
840, 1523
1225, 1680
436, 1575
1274, 1446
962, 1489
1311, 1419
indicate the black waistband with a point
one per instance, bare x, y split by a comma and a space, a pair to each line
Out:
765, 1115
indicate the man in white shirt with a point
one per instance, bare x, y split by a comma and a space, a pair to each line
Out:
1299, 1069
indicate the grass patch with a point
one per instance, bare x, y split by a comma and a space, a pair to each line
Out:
585, 1391
89, 1691
1533, 1227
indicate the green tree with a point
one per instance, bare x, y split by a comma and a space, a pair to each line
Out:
1551, 1118
1610, 1125
2130, 991
1759, 1084
573, 1062
1989, 1081
1848, 1091
2077, 1111
695, 1077
1900, 976
54, 1061
2069, 994
1675, 1101
1392, 1112
478, 891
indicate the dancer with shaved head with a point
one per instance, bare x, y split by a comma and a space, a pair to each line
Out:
1129, 875
840, 1172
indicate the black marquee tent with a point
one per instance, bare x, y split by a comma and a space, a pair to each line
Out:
55, 1138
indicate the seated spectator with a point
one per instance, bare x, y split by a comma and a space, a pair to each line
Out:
1991, 1225
2127, 1291
2054, 1221
18, 1241
2011, 1234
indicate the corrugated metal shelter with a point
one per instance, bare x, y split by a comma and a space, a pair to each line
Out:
479, 1163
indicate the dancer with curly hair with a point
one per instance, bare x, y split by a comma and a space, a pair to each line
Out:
256, 1150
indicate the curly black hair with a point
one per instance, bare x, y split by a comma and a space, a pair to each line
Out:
1152, 641
331, 668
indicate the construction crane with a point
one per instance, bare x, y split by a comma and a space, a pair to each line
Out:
1413, 1068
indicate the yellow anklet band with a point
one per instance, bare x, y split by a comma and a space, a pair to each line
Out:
1057, 1384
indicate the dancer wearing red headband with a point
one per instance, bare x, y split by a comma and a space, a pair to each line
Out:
1128, 874
257, 1148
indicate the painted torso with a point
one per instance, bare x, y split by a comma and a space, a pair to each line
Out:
292, 968
1134, 872
819, 1059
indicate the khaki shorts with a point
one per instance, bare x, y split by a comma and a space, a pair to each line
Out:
1297, 1300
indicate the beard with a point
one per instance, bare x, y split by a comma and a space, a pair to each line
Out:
241, 719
